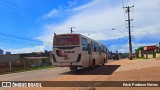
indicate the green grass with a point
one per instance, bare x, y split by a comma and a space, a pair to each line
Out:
27, 69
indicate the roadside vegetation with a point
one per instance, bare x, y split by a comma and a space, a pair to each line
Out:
27, 69
143, 58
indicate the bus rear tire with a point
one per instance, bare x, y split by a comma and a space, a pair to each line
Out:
104, 62
73, 68
93, 64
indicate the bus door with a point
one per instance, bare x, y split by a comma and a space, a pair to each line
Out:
90, 54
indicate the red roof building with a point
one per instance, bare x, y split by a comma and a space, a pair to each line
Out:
150, 51
147, 48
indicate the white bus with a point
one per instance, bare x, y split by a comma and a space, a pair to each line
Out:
76, 50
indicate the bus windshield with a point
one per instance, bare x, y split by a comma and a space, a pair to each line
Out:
61, 40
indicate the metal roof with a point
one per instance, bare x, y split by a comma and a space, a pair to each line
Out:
20, 57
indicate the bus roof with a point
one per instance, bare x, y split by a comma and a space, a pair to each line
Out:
81, 36
92, 40
68, 34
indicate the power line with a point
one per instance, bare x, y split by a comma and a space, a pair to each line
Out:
18, 7
122, 3
20, 40
126, 2
17, 42
11, 36
8, 40
124, 13
120, 31
15, 17
18, 16
21, 9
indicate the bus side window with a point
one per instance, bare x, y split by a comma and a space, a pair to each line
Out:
102, 48
92, 45
95, 47
84, 44
106, 51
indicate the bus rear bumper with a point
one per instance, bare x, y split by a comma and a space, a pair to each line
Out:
66, 64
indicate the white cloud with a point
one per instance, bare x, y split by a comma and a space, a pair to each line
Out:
72, 3
149, 31
85, 6
51, 14
26, 50
98, 17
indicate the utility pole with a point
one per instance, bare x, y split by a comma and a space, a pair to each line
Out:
129, 29
72, 29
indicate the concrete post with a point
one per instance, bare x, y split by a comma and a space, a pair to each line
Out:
146, 54
24, 65
10, 66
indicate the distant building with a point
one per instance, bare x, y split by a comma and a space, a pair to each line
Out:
110, 54
1, 51
22, 61
8, 52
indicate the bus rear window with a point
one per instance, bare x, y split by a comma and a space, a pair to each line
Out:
61, 40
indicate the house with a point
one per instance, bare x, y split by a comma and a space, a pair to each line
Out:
150, 51
10, 62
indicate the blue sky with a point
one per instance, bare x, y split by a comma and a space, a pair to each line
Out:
28, 25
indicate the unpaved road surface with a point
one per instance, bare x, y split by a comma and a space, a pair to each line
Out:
122, 70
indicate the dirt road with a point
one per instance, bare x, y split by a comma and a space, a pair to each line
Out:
122, 70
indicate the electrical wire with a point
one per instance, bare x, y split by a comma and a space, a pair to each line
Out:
20, 8
7, 10
16, 17
11, 36
23, 10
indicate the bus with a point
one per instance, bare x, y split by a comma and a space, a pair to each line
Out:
76, 50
